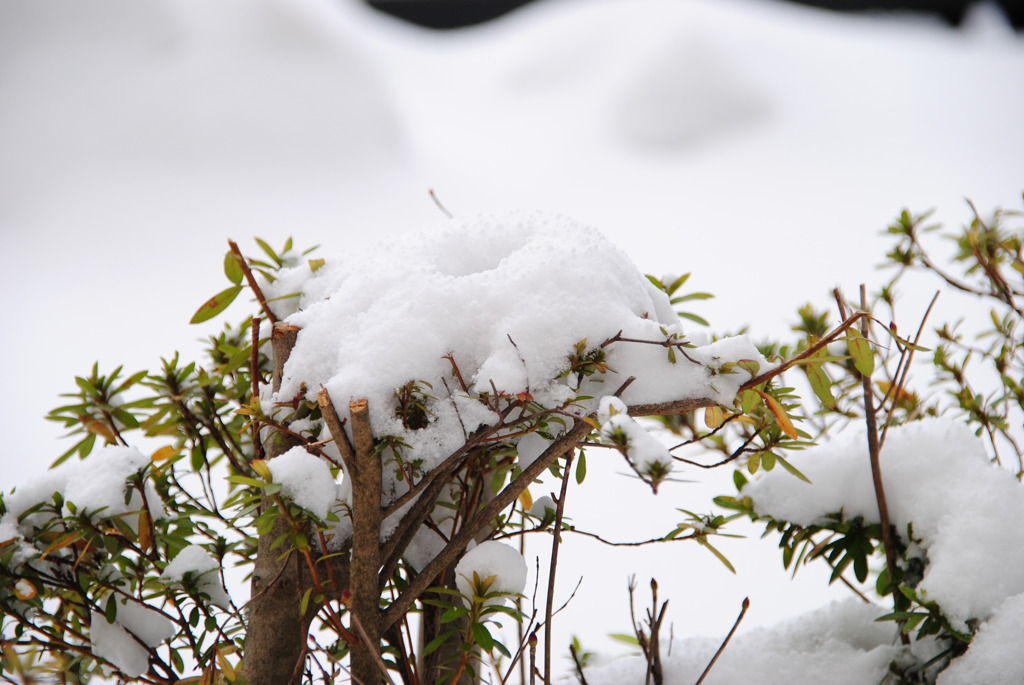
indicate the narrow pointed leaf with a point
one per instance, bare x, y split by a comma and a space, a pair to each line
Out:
792, 469
860, 350
821, 384
721, 557
233, 268
780, 414
216, 304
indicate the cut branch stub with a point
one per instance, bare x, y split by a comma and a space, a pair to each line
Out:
365, 476
282, 341
336, 429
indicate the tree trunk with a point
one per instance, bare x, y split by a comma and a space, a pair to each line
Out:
276, 634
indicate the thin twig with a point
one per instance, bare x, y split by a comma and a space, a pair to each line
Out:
700, 438
556, 540
503, 499
433, 196
373, 651
579, 666
743, 611
257, 291
876, 466
738, 452
901, 380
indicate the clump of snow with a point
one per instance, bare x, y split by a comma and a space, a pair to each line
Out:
506, 299
491, 559
123, 642
543, 508
196, 562
965, 512
937, 479
23, 589
306, 480
97, 485
839, 644
995, 656
530, 447
651, 460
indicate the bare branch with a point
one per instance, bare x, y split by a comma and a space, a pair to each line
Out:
502, 500
743, 611
876, 466
257, 291
556, 540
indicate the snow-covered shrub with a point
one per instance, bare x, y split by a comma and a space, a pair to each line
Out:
364, 449
385, 413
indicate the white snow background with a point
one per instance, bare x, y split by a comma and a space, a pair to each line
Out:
760, 145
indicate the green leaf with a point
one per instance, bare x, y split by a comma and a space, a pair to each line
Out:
692, 296
482, 636
792, 469
913, 621
721, 557
243, 480
896, 616
437, 642
452, 613
754, 463
860, 568
677, 284
787, 556
748, 401
860, 351
269, 251
84, 447
130, 381
625, 639
694, 318
233, 268
739, 479
821, 384
581, 468
125, 418
111, 610
216, 304
882, 585
265, 523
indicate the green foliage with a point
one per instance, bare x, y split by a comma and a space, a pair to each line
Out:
206, 483
671, 285
988, 253
469, 618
